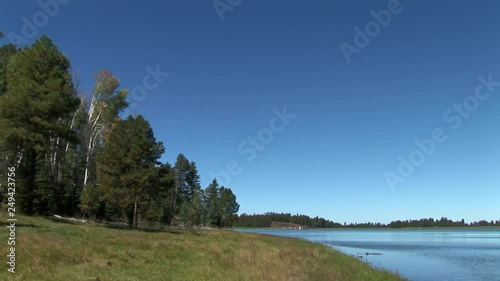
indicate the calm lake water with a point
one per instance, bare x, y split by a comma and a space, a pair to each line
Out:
427, 254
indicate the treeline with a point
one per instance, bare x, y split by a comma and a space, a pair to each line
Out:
265, 220
74, 155
443, 222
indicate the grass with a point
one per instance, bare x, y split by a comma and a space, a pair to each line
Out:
48, 250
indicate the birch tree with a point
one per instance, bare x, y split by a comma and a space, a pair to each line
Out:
100, 112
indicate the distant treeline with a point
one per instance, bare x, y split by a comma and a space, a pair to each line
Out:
265, 220
443, 222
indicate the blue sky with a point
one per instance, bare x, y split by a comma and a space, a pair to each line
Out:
352, 120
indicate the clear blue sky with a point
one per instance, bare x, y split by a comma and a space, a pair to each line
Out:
352, 120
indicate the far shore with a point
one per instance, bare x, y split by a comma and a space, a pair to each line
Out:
380, 228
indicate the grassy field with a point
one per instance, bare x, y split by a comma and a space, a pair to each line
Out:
48, 250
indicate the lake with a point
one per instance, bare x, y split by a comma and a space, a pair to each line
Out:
420, 254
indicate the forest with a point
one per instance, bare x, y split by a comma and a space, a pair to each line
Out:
266, 220
69, 153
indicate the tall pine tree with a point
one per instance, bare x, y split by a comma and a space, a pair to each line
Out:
34, 113
127, 167
211, 204
187, 201
228, 207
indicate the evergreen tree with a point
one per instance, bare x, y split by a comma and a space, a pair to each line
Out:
166, 185
127, 167
181, 169
6, 53
220, 206
187, 200
159, 206
227, 207
193, 197
212, 204
34, 114
92, 202
194, 210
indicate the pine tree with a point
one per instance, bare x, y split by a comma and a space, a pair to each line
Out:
34, 114
195, 209
127, 167
186, 197
159, 206
227, 207
220, 205
166, 185
213, 217
6, 53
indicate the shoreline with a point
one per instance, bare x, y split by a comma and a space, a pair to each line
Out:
379, 228
59, 251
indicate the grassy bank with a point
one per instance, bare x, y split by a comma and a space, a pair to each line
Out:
47, 250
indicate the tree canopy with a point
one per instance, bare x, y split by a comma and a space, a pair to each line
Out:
75, 155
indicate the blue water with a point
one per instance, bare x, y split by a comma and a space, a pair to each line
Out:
427, 254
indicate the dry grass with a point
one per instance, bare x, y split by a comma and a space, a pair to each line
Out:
54, 251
